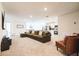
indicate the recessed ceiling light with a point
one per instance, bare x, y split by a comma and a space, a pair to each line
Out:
31, 16
45, 9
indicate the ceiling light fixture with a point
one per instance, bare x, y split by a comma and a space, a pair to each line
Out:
45, 9
31, 16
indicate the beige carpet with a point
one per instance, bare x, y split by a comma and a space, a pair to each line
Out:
30, 47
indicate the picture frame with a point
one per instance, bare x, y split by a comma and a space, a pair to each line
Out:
20, 26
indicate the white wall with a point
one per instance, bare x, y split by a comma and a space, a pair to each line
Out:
67, 26
1, 31
14, 20
34, 22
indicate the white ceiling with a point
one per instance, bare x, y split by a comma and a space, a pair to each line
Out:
36, 9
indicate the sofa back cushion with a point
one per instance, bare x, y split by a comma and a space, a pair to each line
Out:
43, 33
40, 32
27, 31
46, 33
68, 39
78, 34
33, 32
36, 32
65, 39
71, 44
30, 31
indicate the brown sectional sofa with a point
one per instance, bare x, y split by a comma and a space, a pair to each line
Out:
45, 36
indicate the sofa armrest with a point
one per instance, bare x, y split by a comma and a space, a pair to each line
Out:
60, 43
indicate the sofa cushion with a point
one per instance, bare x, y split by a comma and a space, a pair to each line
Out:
27, 31
77, 34
36, 32
45, 33
40, 33
30, 31
33, 32
65, 39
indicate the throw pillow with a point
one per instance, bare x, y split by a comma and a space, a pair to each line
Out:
40, 33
